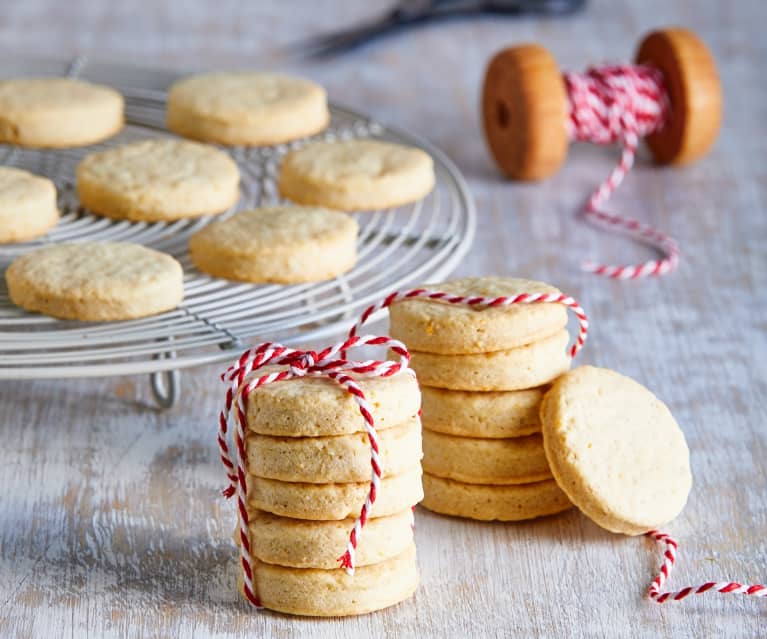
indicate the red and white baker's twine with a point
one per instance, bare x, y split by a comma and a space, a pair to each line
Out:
669, 558
291, 364
484, 302
620, 103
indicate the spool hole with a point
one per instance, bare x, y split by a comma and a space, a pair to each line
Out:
503, 116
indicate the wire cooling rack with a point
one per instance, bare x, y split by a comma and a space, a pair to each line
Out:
397, 248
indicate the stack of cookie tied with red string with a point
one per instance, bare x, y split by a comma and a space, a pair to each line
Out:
483, 373
309, 473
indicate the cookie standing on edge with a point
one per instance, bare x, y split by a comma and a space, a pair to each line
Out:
157, 181
282, 244
356, 175
616, 450
95, 281
58, 112
27, 205
246, 108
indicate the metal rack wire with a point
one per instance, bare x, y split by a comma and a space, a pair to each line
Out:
397, 248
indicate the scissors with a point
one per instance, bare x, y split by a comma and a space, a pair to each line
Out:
408, 13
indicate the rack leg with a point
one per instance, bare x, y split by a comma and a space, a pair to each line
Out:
165, 384
165, 387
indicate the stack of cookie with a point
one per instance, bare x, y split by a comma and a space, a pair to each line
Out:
483, 373
308, 459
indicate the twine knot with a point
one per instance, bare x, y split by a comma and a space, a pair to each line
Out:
305, 362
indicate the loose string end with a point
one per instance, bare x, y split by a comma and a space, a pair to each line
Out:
253, 600
347, 563
669, 559
620, 103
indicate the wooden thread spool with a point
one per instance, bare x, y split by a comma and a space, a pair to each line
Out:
525, 104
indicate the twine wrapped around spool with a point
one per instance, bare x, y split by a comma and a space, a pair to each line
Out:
671, 97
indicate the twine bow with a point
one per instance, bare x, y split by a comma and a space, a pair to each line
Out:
288, 363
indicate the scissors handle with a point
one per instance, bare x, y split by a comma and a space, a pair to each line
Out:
411, 12
427, 8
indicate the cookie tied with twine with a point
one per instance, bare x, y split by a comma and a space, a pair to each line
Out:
671, 97
249, 373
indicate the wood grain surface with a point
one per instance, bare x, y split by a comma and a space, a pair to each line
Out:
111, 524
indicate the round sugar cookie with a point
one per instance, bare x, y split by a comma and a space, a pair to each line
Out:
317, 406
519, 368
283, 244
516, 460
58, 112
488, 503
489, 414
432, 326
27, 205
158, 181
334, 593
616, 450
356, 175
95, 281
299, 543
338, 458
324, 502
246, 108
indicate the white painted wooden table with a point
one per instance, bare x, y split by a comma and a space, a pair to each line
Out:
110, 519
